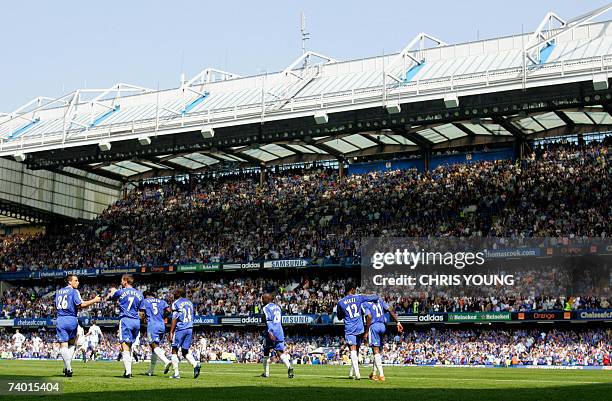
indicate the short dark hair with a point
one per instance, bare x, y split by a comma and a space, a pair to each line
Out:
351, 287
148, 293
69, 277
179, 292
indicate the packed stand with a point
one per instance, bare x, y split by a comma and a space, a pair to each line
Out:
300, 295
497, 347
560, 191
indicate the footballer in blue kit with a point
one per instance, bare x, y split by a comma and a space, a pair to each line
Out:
129, 300
181, 333
152, 312
274, 337
375, 327
67, 303
349, 309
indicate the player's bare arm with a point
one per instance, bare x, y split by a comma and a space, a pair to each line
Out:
111, 292
92, 301
368, 323
400, 328
172, 327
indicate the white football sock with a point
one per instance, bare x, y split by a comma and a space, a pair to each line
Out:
355, 362
160, 354
153, 362
351, 370
266, 364
378, 364
374, 370
66, 357
175, 364
127, 361
285, 358
191, 359
71, 351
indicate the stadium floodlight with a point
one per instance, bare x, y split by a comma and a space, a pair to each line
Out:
20, 157
208, 132
451, 101
104, 146
600, 82
393, 107
144, 140
321, 117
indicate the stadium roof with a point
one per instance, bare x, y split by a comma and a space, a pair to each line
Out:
11, 221
431, 94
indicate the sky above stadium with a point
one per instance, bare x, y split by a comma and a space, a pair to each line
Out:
53, 47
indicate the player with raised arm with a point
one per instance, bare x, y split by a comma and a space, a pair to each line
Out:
181, 333
274, 336
349, 309
129, 300
93, 336
374, 313
67, 300
152, 312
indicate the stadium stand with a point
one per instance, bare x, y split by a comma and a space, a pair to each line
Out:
492, 139
433, 346
226, 294
314, 214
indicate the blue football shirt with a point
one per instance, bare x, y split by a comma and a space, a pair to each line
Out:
349, 309
376, 310
182, 311
129, 302
274, 321
67, 301
154, 310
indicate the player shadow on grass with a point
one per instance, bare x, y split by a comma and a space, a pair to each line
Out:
363, 390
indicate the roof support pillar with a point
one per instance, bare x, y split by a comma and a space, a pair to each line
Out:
519, 148
262, 176
341, 168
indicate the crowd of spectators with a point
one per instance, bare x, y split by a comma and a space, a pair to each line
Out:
559, 191
223, 296
433, 346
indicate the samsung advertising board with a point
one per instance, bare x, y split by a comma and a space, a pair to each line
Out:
286, 264
299, 319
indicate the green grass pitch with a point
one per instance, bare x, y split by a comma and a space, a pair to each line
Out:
101, 381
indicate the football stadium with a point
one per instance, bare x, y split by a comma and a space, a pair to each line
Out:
430, 223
